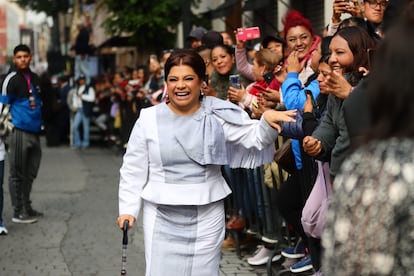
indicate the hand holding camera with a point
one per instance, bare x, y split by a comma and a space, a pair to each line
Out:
244, 34
345, 6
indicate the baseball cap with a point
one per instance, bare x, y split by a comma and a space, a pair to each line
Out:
197, 33
211, 39
81, 77
250, 45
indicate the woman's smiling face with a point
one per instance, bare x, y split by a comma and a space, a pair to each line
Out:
299, 39
341, 56
222, 60
183, 87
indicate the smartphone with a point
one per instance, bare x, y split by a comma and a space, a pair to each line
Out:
244, 34
235, 81
268, 77
308, 92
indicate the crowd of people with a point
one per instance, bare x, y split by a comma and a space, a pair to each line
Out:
200, 126
331, 80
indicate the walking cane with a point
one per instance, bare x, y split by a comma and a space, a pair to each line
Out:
124, 247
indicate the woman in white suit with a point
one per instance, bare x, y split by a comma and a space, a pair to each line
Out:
173, 161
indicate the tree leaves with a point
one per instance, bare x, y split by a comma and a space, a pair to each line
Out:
50, 7
152, 23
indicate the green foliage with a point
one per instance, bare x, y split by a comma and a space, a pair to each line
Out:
50, 7
152, 23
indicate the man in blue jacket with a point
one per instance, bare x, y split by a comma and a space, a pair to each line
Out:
21, 90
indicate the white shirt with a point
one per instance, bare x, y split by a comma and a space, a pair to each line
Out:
79, 96
178, 161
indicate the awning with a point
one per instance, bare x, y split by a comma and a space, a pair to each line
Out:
222, 10
252, 5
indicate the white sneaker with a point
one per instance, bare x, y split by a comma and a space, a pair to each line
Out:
261, 256
3, 229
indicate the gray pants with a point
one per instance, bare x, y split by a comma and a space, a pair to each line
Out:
24, 161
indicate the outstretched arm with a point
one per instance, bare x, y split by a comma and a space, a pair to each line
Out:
273, 117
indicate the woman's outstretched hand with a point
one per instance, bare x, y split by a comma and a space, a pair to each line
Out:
273, 117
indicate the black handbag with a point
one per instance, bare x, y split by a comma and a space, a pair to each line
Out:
285, 158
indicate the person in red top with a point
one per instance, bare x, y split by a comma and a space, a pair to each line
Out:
264, 64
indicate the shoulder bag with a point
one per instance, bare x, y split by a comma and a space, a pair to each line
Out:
285, 158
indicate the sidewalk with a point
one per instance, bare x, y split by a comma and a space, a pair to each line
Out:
78, 236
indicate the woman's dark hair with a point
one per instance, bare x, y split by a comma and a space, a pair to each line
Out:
391, 82
229, 49
325, 52
353, 21
359, 41
187, 57
359, 22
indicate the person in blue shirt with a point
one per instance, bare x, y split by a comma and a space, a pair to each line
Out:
21, 90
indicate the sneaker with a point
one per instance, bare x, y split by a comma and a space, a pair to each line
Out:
33, 213
261, 256
270, 239
251, 231
303, 265
23, 218
295, 252
3, 229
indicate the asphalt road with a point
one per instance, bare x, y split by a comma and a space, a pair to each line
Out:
78, 236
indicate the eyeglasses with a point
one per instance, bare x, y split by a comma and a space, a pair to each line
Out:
373, 4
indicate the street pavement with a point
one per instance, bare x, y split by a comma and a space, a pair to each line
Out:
78, 236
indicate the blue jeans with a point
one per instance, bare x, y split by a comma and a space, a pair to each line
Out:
79, 119
1, 189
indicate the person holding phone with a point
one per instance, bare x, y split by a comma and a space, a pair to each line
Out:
274, 43
372, 11
341, 7
370, 218
250, 98
223, 60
